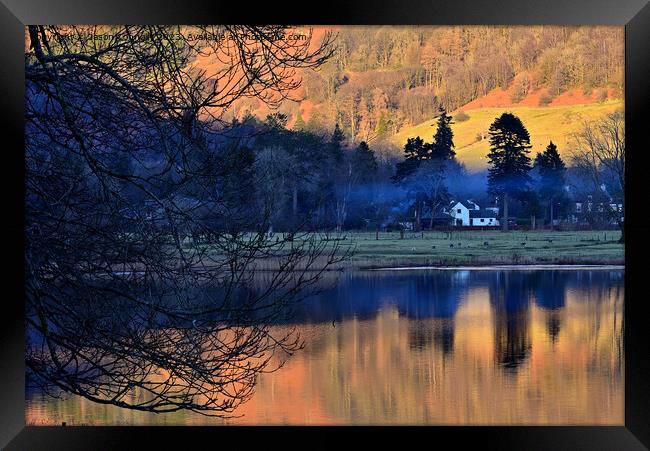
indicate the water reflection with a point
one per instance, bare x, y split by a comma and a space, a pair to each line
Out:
434, 347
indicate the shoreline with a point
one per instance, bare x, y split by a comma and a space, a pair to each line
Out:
513, 267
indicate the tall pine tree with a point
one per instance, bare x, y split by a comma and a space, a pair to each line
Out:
336, 143
415, 152
382, 126
443, 140
551, 172
299, 125
508, 159
364, 162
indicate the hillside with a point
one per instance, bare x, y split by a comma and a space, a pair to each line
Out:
556, 123
381, 79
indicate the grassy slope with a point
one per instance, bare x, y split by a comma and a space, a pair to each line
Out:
555, 123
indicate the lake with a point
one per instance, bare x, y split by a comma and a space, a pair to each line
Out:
430, 346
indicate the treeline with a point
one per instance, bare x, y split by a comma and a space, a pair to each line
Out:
296, 180
262, 172
522, 187
383, 78
307, 180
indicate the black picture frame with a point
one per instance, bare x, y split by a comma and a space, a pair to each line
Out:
633, 14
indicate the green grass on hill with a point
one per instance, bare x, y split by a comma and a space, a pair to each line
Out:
543, 123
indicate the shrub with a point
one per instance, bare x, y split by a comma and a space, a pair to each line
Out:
545, 99
601, 95
461, 116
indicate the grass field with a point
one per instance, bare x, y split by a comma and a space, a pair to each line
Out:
469, 248
465, 248
556, 123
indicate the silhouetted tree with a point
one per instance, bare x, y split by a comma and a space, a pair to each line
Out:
336, 143
129, 166
415, 151
364, 162
600, 155
551, 171
508, 158
443, 140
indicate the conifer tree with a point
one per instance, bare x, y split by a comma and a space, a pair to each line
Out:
415, 151
443, 140
551, 171
299, 125
364, 162
382, 126
509, 161
336, 143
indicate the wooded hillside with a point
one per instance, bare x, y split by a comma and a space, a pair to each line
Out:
382, 79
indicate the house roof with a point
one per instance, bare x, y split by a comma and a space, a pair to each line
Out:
465, 203
482, 214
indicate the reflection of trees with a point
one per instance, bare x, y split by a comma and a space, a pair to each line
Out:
511, 292
438, 333
387, 368
550, 295
431, 294
141, 234
509, 295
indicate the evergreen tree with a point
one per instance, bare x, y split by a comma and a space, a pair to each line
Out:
336, 143
551, 171
508, 159
382, 126
299, 125
443, 140
364, 162
415, 151
276, 121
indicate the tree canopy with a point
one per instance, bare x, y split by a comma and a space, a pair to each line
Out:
508, 156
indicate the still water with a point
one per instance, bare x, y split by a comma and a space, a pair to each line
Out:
431, 347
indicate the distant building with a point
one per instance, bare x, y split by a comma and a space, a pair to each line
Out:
459, 210
586, 210
466, 213
483, 217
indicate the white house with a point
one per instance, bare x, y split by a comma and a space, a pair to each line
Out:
483, 217
468, 213
460, 212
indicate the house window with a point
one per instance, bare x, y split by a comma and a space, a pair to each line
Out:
458, 210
